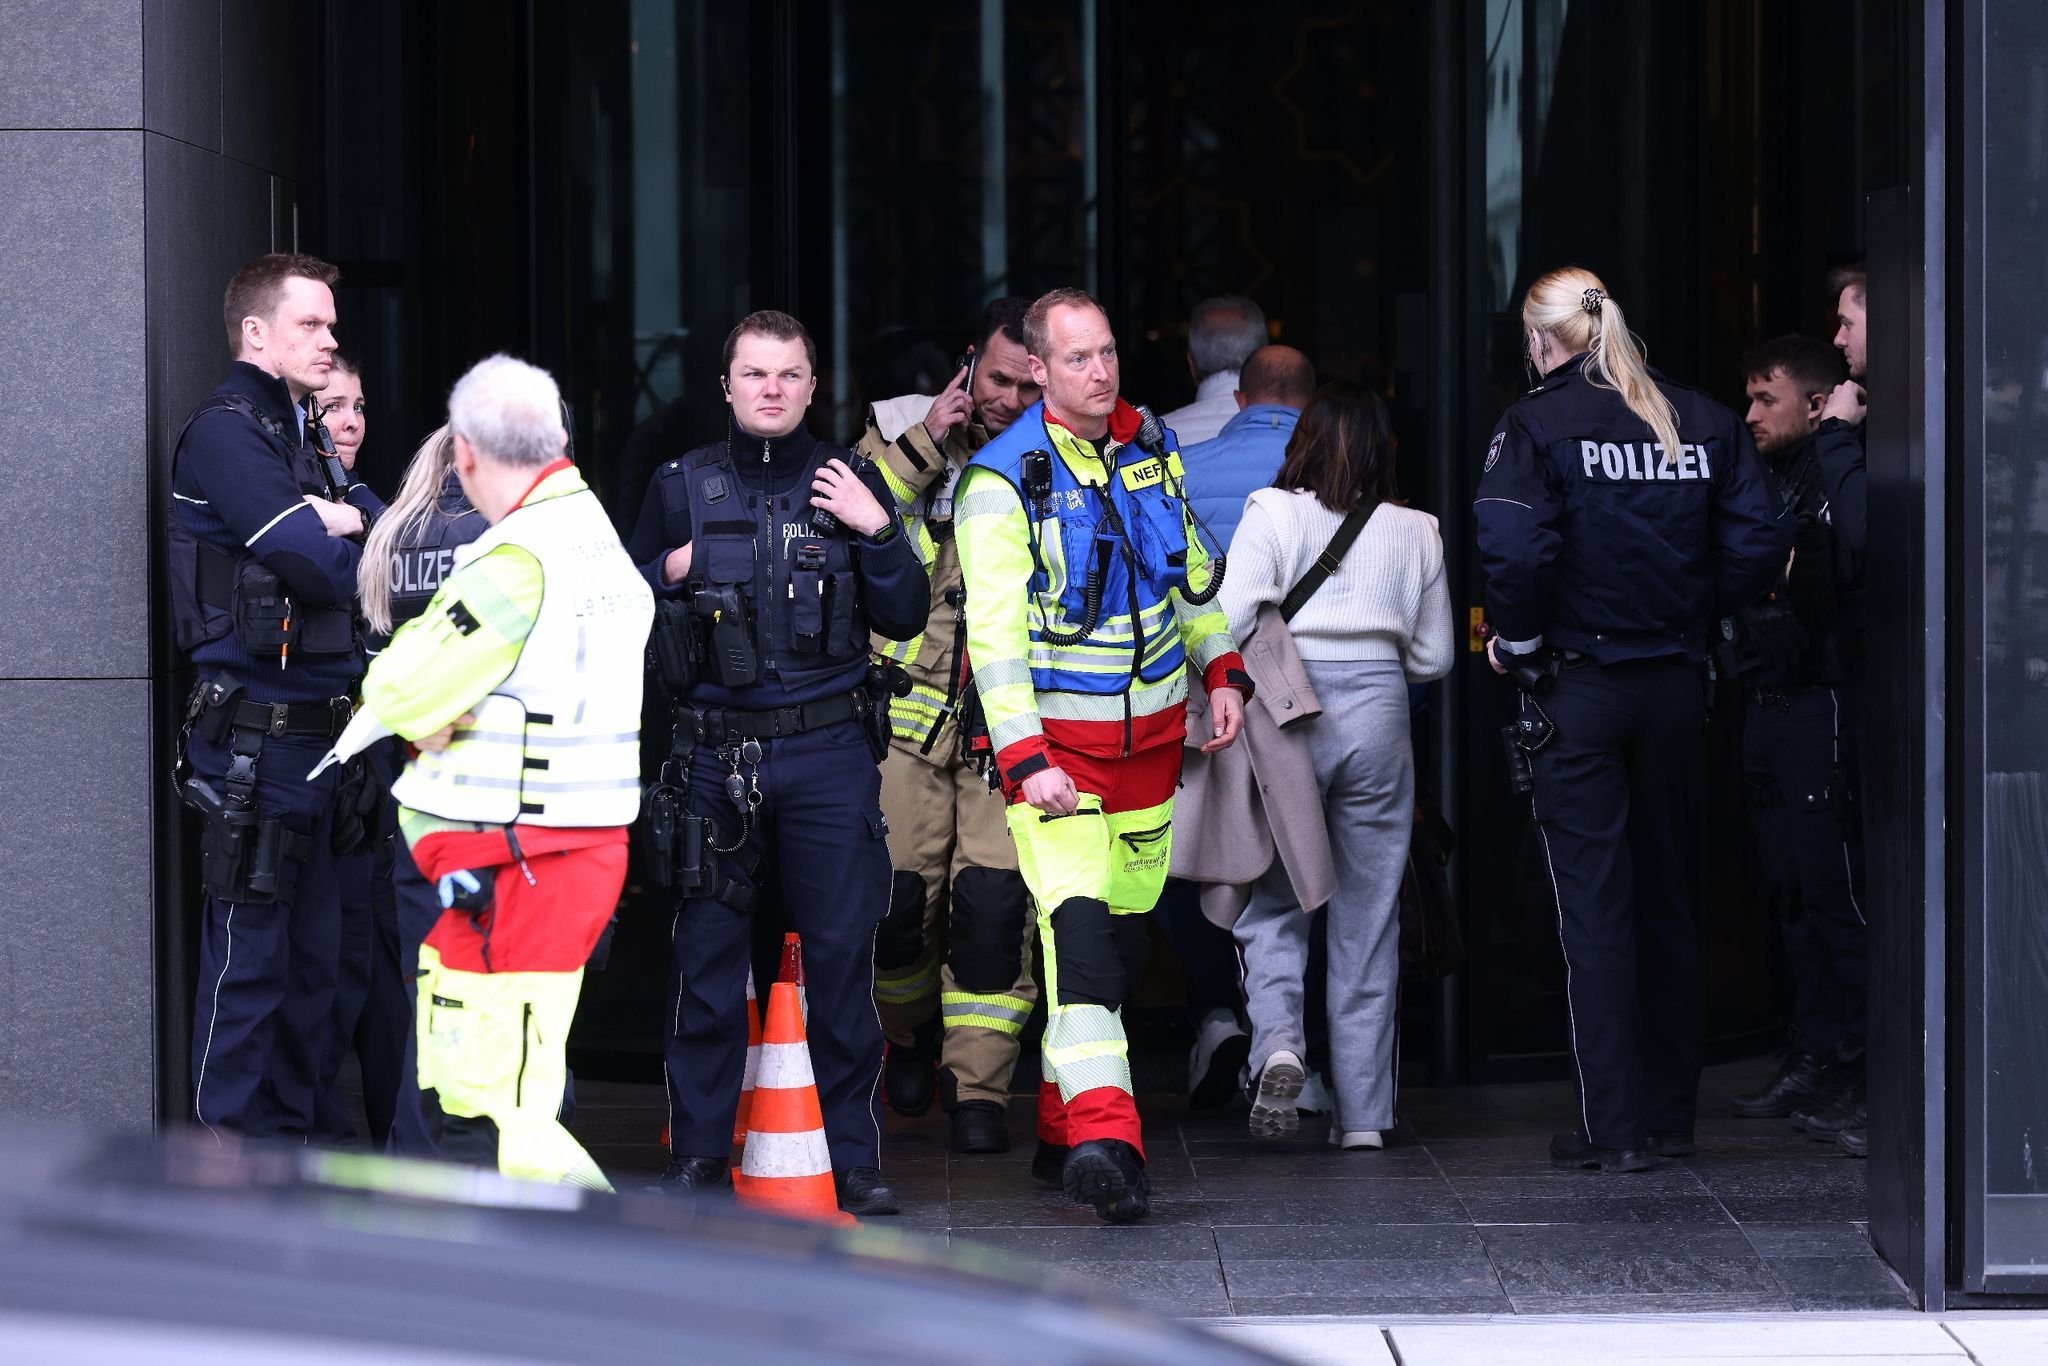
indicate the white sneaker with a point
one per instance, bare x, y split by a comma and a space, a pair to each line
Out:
1217, 1060
1275, 1116
1356, 1138
1315, 1097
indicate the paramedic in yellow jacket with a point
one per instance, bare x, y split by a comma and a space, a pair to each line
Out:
520, 686
953, 955
1091, 599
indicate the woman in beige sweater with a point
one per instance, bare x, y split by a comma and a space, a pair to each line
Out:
1381, 621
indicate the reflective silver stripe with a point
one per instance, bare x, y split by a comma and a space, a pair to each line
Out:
560, 785
955, 1010
990, 498
544, 741
478, 780
1002, 673
1003, 734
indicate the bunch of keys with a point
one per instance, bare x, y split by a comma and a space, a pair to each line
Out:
745, 793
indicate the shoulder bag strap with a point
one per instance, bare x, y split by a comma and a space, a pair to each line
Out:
1327, 562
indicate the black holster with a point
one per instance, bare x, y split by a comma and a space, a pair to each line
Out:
884, 680
680, 848
245, 856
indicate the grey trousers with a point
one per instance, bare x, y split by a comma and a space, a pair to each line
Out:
1365, 771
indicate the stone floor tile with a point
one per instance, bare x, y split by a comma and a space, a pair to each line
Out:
1995, 1339
1647, 1209
1807, 1277
1438, 1278
1617, 1240
1840, 1239
1146, 1241
1313, 1344
1340, 1242
1525, 1275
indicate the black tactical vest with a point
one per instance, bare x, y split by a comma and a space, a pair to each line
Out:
797, 581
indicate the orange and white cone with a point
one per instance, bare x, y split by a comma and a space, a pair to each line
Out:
746, 1109
787, 1168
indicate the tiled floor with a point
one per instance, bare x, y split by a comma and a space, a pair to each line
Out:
1460, 1215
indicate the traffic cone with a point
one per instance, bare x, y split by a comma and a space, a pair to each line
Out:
793, 971
787, 1167
746, 1110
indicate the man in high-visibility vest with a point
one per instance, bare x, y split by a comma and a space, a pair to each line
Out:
953, 955
1082, 679
520, 685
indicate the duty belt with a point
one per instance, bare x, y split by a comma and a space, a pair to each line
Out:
717, 727
324, 719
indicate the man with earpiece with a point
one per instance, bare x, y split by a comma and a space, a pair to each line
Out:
772, 562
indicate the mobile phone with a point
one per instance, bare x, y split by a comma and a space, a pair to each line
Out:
969, 359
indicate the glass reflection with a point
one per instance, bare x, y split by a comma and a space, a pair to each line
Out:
2016, 637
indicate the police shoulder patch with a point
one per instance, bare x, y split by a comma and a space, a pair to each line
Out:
1493, 451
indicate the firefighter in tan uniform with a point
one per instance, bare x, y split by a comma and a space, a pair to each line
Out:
953, 957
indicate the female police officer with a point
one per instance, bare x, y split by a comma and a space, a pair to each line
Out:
1617, 515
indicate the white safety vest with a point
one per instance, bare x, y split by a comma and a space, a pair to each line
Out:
558, 742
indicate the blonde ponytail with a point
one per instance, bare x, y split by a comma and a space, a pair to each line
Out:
1572, 306
402, 522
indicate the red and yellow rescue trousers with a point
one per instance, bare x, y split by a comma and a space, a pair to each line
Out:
498, 990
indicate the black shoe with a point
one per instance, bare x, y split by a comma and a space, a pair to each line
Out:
694, 1176
863, 1191
1855, 1142
909, 1079
1106, 1173
1673, 1144
1800, 1082
978, 1127
1572, 1152
1049, 1163
1826, 1126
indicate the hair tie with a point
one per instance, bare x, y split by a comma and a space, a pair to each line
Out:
1590, 300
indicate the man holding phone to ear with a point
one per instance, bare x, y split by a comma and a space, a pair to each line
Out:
953, 978
785, 560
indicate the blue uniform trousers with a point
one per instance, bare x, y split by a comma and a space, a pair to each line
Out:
1617, 804
1800, 765
417, 909
820, 827
263, 1014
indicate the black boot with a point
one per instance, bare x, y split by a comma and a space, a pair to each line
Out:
1828, 1125
863, 1191
1855, 1142
1799, 1082
1106, 1173
909, 1078
1573, 1152
978, 1127
694, 1176
1673, 1144
1049, 1163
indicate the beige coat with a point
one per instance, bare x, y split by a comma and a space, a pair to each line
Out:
1239, 808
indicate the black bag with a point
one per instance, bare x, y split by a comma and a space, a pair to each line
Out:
1432, 941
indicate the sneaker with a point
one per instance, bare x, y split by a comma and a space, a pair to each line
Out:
1221, 1048
1106, 1173
1275, 1115
1356, 1139
863, 1191
1315, 1097
694, 1176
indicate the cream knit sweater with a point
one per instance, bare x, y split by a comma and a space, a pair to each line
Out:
1388, 599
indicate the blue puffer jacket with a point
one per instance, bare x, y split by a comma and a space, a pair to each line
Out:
1241, 459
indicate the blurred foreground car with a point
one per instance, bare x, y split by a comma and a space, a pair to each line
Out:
188, 1248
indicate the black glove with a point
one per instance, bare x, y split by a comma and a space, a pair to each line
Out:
359, 807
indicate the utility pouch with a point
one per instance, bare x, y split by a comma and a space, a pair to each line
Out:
672, 839
807, 597
212, 708
262, 612
838, 610
675, 648
325, 631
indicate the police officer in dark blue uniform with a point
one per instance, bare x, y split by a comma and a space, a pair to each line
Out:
409, 551
264, 543
1617, 517
772, 561
1791, 652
